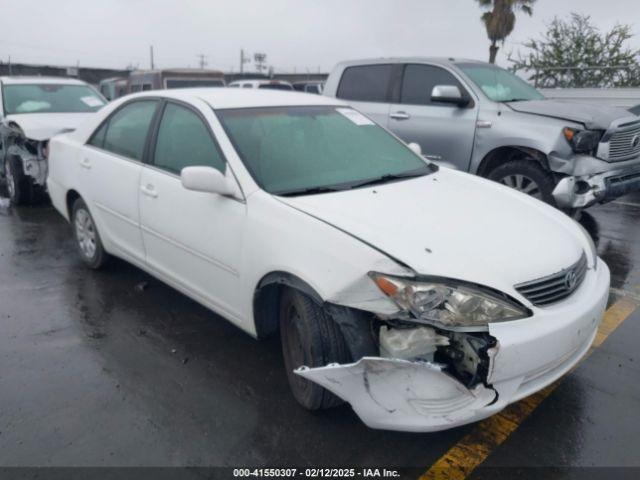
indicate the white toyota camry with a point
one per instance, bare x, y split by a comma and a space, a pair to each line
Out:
425, 297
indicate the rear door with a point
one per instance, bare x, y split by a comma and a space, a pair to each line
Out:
367, 88
445, 131
191, 238
111, 166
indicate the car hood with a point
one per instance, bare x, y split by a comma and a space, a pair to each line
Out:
591, 116
455, 225
43, 126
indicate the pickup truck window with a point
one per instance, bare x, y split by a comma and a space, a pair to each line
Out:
366, 83
499, 84
418, 82
305, 150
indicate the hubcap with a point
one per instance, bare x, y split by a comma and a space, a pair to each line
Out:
11, 183
523, 184
85, 233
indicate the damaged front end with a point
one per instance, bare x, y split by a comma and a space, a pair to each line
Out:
453, 353
422, 381
426, 366
23, 161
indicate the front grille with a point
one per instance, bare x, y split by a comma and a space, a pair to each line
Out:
551, 289
622, 145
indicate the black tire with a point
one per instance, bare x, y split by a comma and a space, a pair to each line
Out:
19, 185
87, 238
527, 176
310, 338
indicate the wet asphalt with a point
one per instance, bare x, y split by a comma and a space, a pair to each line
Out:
114, 368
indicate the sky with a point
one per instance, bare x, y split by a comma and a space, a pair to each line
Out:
296, 35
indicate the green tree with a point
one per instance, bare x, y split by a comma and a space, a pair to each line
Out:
500, 20
575, 53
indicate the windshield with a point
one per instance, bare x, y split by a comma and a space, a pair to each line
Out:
499, 84
276, 86
50, 98
193, 82
298, 150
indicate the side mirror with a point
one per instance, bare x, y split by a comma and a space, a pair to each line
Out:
415, 148
206, 179
448, 94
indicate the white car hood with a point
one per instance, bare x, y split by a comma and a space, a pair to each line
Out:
454, 225
43, 126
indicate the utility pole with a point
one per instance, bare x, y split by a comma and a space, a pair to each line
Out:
151, 56
10, 72
243, 59
202, 61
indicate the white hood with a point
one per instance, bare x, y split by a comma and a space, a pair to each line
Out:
455, 225
43, 126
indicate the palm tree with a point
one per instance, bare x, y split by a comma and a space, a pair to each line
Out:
500, 20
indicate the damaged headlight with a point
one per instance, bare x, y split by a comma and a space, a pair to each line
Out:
582, 141
447, 303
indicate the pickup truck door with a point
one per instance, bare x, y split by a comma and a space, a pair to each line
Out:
445, 131
192, 239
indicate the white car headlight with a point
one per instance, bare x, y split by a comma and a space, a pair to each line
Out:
447, 303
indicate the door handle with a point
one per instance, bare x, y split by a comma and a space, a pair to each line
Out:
149, 190
400, 116
85, 163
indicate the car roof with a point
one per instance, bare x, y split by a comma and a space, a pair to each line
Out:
17, 80
221, 98
444, 61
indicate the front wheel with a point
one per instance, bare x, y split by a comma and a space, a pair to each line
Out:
310, 338
528, 177
86, 235
19, 186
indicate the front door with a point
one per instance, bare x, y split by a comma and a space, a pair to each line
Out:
444, 131
191, 238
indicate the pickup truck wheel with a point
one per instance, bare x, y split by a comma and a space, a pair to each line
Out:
19, 186
309, 338
526, 176
87, 238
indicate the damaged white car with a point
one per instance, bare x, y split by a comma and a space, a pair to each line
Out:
426, 298
32, 110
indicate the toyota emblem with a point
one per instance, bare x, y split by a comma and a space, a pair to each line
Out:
570, 280
635, 141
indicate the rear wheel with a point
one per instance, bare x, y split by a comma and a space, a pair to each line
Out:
526, 176
19, 186
86, 235
309, 338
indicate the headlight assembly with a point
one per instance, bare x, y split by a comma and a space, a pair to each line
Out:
582, 141
447, 303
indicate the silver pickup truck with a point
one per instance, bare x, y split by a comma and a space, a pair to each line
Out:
485, 120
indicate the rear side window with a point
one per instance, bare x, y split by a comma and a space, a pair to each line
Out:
367, 83
125, 132
185, 141
418, 83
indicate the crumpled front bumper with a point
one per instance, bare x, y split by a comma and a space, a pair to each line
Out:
583, 190
396, 394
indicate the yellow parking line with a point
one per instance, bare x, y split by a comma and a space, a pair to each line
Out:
475, 447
